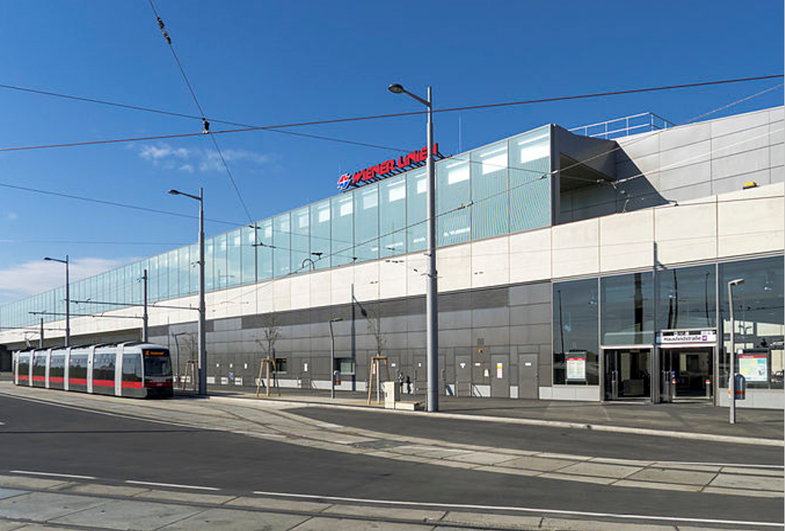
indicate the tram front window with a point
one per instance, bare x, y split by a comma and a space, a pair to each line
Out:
157, 363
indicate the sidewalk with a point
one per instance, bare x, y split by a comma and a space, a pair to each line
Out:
686, 418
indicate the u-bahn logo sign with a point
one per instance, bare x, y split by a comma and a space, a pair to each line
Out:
385, 169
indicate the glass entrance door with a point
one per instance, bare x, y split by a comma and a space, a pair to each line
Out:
690, 370
627, 374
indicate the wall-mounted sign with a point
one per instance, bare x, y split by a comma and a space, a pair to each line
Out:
385, 169
499, 370
754, 365
576, 366
681, 337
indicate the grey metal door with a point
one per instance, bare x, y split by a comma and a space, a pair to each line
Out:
305, 373
420, 375
500, 376
528, 377
463, 376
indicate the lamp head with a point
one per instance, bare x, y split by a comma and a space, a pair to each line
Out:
737, 282
47, 259
396, 88
173, 192
336, 319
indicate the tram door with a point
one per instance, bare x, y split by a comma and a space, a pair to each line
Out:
690, 371
627, 374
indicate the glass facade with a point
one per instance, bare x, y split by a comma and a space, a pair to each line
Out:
627, 309
686, 298
488, 192
575, 330
758, 315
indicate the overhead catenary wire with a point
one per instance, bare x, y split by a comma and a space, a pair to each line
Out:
205, 123
390, 115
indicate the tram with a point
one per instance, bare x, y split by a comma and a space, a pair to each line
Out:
140, 370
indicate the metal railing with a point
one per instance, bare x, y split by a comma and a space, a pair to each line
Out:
624, 126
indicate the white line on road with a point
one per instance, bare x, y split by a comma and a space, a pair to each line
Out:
52, 474
518, 509
172, 485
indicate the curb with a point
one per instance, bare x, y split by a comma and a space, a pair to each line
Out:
728, 439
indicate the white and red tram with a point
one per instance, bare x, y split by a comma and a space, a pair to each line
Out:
138, 370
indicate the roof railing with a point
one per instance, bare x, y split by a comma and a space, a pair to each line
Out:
625, 126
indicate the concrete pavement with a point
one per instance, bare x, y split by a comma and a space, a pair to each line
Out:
29, 503
691, 417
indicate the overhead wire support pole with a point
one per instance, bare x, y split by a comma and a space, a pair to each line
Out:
146, 317
431, 289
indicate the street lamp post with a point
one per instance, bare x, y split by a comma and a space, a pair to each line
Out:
202, 360
732, 371
67, 297
332, 356
431, 290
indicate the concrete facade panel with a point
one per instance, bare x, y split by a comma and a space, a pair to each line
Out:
684, 176
575, 249
490, 262
674, 245
684, 135
530, 256
627, 241
693, 153
740, 122
530, 294
740, 163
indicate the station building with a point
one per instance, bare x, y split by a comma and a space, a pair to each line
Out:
571, 266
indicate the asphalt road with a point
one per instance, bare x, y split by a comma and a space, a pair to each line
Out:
46, 438
547, 439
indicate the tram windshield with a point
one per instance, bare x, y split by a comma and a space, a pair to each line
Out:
157, 363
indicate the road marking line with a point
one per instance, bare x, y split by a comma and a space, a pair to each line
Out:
52, 474
173, 485
517, 509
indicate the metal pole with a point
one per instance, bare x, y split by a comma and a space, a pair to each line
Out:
202, 307
732, 370
41, 335
431, 305
145, 317
332, 361
67, 304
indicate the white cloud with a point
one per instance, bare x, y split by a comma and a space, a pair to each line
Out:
37, 276
164, 156
12, 215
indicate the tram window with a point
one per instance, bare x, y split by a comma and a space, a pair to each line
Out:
39, 365
57, 366
132, 368
24, 365
78, 368
157, 365
103, 367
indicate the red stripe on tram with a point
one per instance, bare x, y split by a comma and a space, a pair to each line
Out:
56, 379
39, 378
23, 377
132, 385
78, 381
103, 383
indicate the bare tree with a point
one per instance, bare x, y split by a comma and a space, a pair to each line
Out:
374, 323
272, 332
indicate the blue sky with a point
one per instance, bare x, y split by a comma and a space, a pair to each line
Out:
279, 62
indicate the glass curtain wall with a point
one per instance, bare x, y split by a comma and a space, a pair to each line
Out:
575, 332
627, 309
686, 298
491, 191
757, 308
